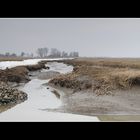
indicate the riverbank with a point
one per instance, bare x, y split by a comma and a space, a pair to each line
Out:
13, 77
102, 76
95, 89
74, 86
42, 99
10, 78
10, 96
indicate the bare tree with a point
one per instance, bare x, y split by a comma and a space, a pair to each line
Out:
7, 54
55, 52
32, 55
64, 54
40, 52
22, 54
74, 54
45, 52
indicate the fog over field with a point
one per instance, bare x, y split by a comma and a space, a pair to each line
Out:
93, 37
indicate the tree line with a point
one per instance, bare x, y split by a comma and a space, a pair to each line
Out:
23, 54
43, 53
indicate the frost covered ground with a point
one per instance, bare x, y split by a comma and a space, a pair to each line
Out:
59, 67
10, 64
40, 98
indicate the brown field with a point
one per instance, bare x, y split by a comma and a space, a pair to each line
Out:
14, 58
110, 62
20, 73
101, 86
11, 59
102, 75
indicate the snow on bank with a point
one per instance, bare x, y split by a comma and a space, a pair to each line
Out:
42, 116
59, 67
11, 64
34, 109
40, 99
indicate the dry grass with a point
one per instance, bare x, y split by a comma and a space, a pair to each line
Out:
11, 59
20, 73
104, 75
14, 58
110, 62
16, 74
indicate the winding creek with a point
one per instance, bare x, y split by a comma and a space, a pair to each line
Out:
41, 98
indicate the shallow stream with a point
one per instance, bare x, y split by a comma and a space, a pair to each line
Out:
40, 97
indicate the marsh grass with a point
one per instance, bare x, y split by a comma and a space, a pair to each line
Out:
105, 74
11, 59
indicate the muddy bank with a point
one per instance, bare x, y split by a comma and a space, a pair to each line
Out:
86, 102
39, 66
10, 78
83, 77
17, 74
20, 74
99, 79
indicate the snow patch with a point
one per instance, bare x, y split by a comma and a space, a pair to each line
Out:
11, 64
59, 67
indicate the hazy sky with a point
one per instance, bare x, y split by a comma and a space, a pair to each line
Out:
113, 37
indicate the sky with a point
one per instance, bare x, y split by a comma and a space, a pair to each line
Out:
91, 37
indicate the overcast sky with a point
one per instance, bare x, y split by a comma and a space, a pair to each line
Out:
96, 37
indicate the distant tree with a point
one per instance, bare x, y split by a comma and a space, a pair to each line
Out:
52, 52
58, 54
42, 52
13, 55
70, 54
74, 54
55, 52
45, 51
64, 54
7, 54
22, 54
